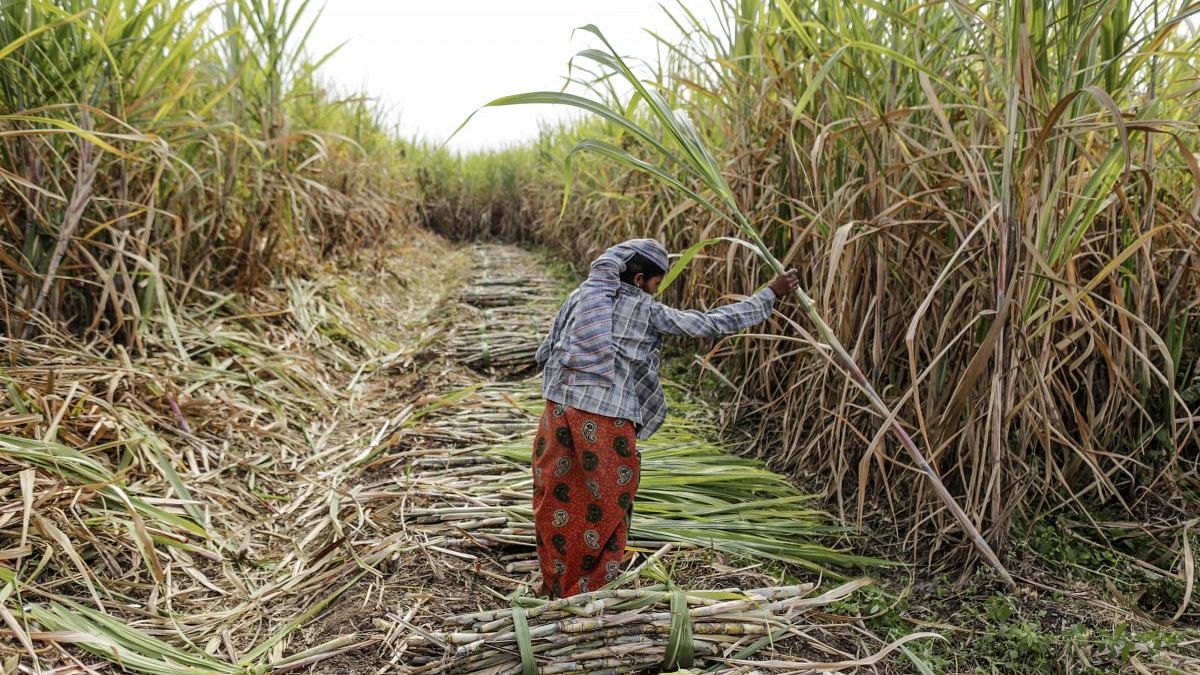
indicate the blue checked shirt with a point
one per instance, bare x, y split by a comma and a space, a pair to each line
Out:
639, 322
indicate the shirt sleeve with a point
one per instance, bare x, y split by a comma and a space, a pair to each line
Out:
543, 351
724, 320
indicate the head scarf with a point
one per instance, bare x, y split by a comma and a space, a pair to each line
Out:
589, 347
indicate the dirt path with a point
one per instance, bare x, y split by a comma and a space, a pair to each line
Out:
349, 448
266, 421
450, 491
482, 341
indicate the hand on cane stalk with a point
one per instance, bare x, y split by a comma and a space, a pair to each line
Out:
785, 283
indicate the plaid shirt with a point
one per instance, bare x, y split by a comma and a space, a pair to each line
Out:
639, 322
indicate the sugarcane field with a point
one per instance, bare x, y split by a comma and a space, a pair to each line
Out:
742, 337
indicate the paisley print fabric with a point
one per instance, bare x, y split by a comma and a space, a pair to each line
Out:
586, 469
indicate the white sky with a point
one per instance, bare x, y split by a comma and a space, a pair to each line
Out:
432, 63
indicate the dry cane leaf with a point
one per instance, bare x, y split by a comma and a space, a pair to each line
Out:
1189, 572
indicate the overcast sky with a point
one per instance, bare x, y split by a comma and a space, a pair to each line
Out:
432, 63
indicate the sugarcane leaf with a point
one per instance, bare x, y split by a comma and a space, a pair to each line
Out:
919, 663
691, 252
299, 620
622, 157
11, 621
1096, 194
680, 649
524, 640
134, 650
814, 85
159, 448
64, 543
19, 42
589, 105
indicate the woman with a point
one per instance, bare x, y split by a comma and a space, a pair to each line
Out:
600, 381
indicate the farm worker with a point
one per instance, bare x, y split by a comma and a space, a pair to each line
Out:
600, 381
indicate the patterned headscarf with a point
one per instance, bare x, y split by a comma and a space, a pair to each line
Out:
589, 345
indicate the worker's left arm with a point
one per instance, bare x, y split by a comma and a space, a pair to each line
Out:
724, 320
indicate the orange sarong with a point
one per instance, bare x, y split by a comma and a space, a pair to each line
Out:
586, 469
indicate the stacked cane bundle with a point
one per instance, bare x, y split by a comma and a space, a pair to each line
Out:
508, 351
625, 630
496, 285
506, 291
508, 313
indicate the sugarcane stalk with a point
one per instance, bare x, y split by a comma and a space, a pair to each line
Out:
773, 593
686, 159
479, 662
589, 602
81, 195
848, 364
562, 646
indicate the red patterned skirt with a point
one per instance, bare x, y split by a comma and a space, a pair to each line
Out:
586, 469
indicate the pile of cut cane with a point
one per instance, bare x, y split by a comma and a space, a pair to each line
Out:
615, 630
621, 630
